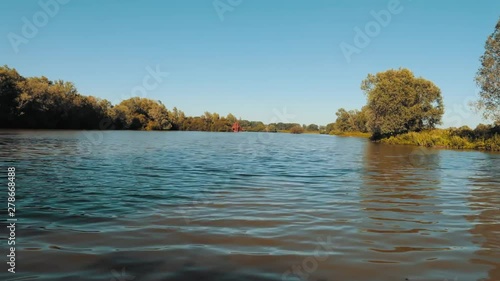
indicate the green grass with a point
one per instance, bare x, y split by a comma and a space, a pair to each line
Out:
448, 138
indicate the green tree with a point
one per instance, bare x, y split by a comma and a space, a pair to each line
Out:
313, 127
399, 102
141, 114
361, 119
253, 126
488, 77
297, 129
283, 126
9, 92
271, 128
178, 117
343, 122
231, 118
329, 127
351, 121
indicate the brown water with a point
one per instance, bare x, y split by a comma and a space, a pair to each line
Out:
248, 206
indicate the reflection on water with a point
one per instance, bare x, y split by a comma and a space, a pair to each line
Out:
484, 201
404, 214
217, 206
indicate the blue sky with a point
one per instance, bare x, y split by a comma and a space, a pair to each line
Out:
261, 59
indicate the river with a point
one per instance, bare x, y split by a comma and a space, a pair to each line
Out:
130, 205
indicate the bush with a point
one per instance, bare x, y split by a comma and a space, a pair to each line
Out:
297, 130
483, 138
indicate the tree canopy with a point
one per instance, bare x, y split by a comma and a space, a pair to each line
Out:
297, 129
39, 103
488, 77
351, 121
399, 102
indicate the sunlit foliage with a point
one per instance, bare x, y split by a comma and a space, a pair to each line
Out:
399, 102
488, 77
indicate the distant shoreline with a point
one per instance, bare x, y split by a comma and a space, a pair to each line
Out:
422, 139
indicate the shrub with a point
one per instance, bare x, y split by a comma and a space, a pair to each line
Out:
297, 130
484, 138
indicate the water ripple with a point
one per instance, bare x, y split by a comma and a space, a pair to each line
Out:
207, 206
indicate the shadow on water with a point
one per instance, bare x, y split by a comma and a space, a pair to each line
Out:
130, 265
123, 267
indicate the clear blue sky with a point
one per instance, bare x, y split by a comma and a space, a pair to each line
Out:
263, 57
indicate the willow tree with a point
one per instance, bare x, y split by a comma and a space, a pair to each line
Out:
488, 77
399, 102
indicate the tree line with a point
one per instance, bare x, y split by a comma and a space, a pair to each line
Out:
40, 103
398, 103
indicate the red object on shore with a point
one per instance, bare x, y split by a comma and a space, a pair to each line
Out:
236, 127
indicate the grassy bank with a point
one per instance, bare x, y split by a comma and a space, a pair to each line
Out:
350, 134
463, 138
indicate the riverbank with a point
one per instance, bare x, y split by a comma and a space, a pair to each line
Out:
449, 138
350, 134
482, 138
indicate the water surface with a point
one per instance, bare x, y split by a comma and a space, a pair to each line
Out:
248, 206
